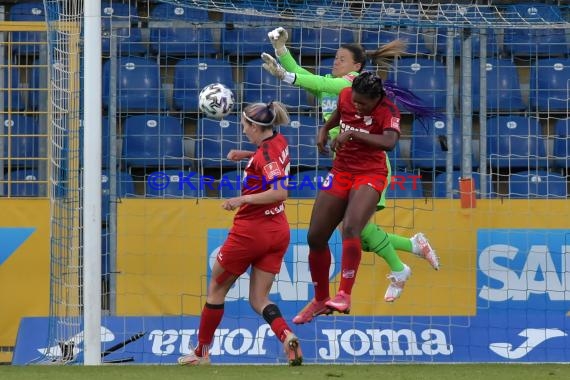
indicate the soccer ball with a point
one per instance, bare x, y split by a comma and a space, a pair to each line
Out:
216, 100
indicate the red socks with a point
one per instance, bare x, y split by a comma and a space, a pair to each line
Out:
209, 322
351, 254
319, 265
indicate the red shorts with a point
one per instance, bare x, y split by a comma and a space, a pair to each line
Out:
340, 183
261, 249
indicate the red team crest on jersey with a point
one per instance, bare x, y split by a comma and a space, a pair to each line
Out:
395, 123
272, 170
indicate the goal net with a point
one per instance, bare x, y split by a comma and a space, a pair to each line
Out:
498, 74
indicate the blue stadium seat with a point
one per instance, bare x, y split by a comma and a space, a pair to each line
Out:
260, 86
537, 184
247, 34
215, 139
550, 85
23, 145
153, 141
174, 184
124, 188
391, 17
425, 77
440, 185
535, 41
229, 185
374, 37
301, 135
213, 153
36, 85
27, 43
12, 99
461, 15
323, 41
393, 13
227, 129
193, 74
561, 149
429, 144
24, 183
129, 38
503, 86
191, 39
405, 185
307, 183
397, 162
139, 86
515, 142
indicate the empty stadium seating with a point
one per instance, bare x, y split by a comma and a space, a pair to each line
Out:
307, 183
245, 34
193, 74
139, 85
27, 43
184, 33
440, 185
430, 144
23, 145
260, 86
515, 142
537, 184
37, 82
24, 183
229, 184
174, 184
302, 137
502, 84
550, 85
153, 141
535, 41
215, 139
323, 41
121, 20
561, 148
460, 15
373, 38
12, 99
425, 77
405, 185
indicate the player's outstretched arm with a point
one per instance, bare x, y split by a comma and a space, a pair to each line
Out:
238, 155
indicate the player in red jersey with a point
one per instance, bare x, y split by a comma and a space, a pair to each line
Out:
260, 233
370, 126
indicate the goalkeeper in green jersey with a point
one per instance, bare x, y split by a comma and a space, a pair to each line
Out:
349, 61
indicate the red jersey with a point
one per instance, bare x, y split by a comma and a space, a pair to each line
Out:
355, 156
268, 167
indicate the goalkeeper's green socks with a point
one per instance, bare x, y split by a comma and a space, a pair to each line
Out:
375, 239
401, 243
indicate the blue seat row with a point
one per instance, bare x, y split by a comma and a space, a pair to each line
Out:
305, 185
244, 34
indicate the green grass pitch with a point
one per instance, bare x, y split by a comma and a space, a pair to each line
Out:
307, 372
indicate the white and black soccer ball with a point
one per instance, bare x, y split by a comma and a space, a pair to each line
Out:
216, 101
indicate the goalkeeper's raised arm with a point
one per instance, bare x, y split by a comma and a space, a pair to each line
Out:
349, 61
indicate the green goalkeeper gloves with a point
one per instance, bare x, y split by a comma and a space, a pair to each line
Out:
274, 68
278, 37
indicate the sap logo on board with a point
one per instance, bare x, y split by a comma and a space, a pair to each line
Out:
293, 282
515, 265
